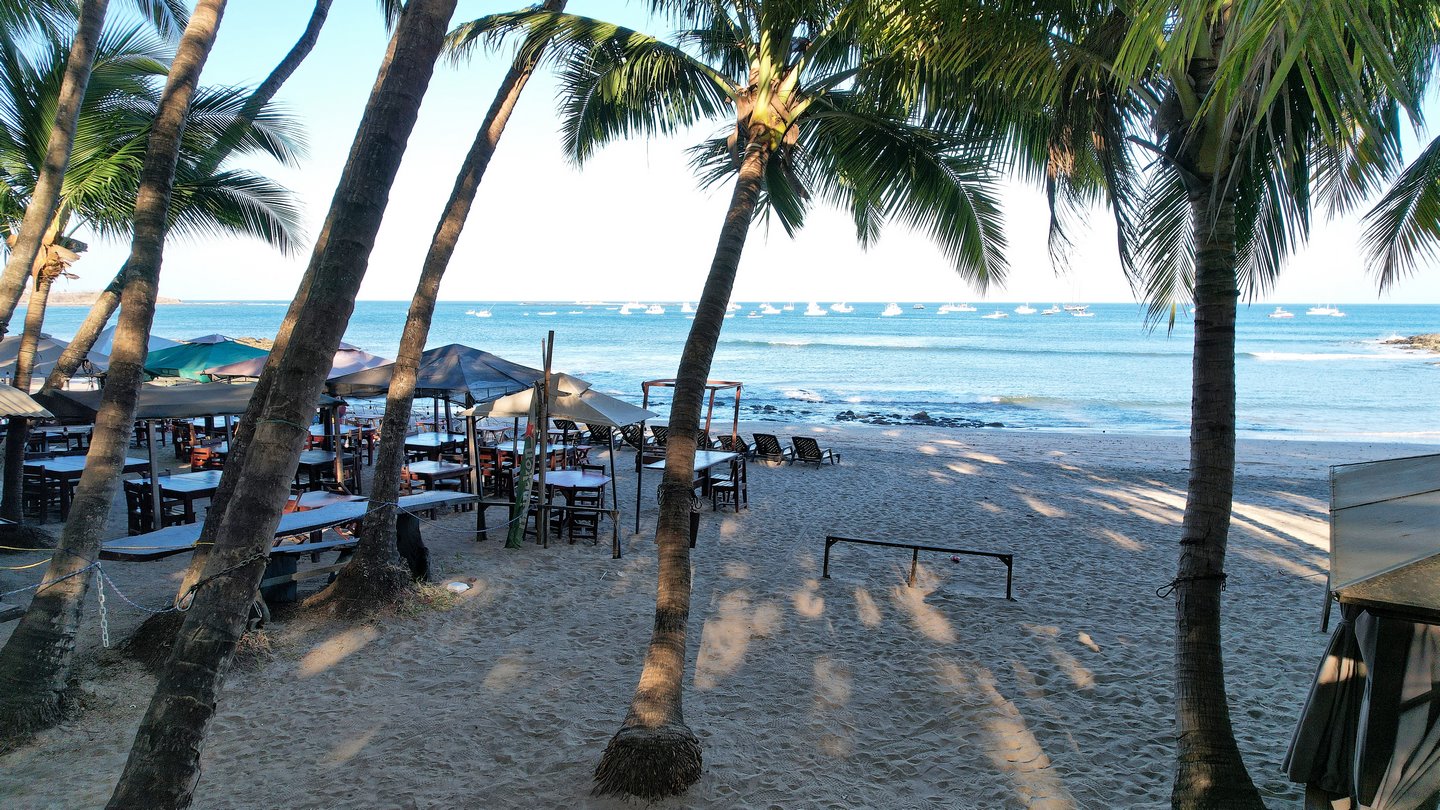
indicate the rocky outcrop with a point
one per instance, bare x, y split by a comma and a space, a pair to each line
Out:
83, 298
1428, 342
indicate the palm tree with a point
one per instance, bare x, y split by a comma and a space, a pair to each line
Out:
166, 16
822, 99
101, 182
376, 574
164, 761
35, 662
109, 298
1247, 112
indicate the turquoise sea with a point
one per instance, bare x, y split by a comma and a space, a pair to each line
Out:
1309, 376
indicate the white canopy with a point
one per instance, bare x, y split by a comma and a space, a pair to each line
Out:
570, 398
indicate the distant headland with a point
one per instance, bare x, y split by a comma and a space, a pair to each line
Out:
83, 298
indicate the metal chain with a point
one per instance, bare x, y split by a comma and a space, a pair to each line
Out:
104, 618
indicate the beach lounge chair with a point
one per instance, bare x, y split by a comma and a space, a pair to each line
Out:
601, 435
734, 444
767, 448
633, 436
808, 451
659, 435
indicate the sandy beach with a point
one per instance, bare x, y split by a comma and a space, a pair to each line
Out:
848, 692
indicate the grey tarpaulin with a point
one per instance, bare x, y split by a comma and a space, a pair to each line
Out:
1370, 729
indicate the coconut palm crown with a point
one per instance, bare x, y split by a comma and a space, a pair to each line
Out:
835, 100
99, 188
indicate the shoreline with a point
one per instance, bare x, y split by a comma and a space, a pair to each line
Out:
850, 691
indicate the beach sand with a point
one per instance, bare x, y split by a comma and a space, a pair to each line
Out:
848, 692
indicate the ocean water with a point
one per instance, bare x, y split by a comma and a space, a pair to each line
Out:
1309, 376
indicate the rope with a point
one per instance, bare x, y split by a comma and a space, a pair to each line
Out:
42, 584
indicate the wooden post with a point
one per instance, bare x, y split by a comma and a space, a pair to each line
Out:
542, 437
155, 504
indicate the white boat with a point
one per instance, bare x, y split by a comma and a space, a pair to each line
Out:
996, 315
766, 309
918, 306
967, 308
841, 307
1024, 309
654, 309
1281, 312
479, 313
1337, 313
946, 309
1082, 313
815, 310
1053, 309
550, 312
754, 314
626, 309
687, 307
789, 307
891, 310
1320, 309
733, 307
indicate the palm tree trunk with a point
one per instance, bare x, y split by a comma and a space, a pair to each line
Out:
17, 433
109, 299
164, 760
46, 199
1209, 772
377, 574
35, 663
654, 753
85, 337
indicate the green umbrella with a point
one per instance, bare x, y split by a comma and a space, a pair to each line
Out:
189, 360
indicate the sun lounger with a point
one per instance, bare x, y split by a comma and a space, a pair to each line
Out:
767, 448
808, 451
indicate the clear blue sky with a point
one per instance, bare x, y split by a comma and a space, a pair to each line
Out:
632, 224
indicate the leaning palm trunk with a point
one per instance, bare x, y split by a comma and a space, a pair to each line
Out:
376, 574
85, 337
43, 203
35, 662
654, 753
164, 761
109, 299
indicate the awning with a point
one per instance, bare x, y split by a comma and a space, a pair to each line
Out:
348, 360
47, 353
14, 402
189, 360
162, 402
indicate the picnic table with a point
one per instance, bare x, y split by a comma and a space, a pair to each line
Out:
705, 461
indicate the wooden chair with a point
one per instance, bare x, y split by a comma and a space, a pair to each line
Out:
767, 448
584, 520
140, 509
38, 495
731, 490
204, 458
808, 451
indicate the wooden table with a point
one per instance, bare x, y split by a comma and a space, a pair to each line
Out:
432, 472
66, 470
188, 488
68, 437
433, 444
705, 461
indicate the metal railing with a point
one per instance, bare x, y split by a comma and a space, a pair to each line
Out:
916, 548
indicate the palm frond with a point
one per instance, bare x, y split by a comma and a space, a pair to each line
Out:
1403, 229
916, 176
1165, 247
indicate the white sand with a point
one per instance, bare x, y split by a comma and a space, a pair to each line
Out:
843, 693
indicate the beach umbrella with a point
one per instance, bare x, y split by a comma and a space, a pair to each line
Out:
214, 337
47, 353
190, 360
451, 372
348, 360
574, 399
105, 342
